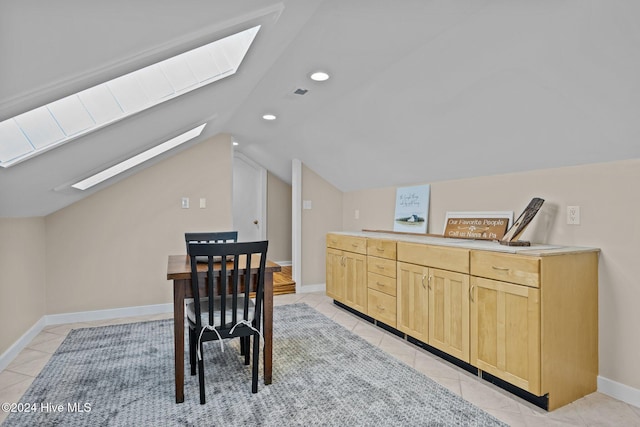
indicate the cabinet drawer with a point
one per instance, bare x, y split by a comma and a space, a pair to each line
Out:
382, 283
511, 268
381, 248
382, 307
445, 258
385, 267
347, 243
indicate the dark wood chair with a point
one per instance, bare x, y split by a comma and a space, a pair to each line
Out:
210, 237
207, 237
229, 311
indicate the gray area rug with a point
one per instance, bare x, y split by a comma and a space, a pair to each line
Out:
323, 375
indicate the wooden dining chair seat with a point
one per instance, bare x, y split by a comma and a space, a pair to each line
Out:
204, 308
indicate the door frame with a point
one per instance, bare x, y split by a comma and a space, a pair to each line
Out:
262, 201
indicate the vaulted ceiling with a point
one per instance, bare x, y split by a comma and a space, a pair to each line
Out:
420, 91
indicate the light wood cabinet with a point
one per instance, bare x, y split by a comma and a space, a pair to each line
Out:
433, 307
449, 312
413, 300
335, 274
505, 337
382, 307
346, 271
526, 316
534, 321
381, 280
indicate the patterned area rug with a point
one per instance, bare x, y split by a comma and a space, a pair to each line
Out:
323, 374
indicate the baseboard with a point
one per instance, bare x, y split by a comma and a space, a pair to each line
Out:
114, 313
84, 316
21, 343
284, 263
320, 287
619, 391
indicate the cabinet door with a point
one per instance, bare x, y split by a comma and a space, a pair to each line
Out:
413, 301
335, 274
355, 281
449, 312
505, 332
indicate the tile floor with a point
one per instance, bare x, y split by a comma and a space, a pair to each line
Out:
594, 410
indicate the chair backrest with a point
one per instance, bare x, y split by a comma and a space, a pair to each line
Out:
210, 237
240, 271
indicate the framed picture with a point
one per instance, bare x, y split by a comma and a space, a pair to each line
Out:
412, 209
487, 225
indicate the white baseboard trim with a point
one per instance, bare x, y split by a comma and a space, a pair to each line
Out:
619, 391
114, 313
320, 287
84, 316
284, 263
21, 343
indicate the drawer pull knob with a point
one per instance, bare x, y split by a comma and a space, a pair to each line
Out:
380, 284
471, 293
380, 308
380, 249
430, 277
380, 266
355, 245
500, 268
424, 276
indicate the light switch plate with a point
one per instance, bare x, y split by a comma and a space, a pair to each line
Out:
185, 203
306, 204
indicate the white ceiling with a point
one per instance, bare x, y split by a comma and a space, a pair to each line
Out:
421, 91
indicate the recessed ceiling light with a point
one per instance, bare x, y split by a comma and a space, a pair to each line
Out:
269, 117
137, 159
235, 143
319, 76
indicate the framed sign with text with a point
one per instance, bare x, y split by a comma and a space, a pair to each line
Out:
412, 209
477, 225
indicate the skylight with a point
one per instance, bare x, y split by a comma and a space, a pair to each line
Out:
54, 124
140, 158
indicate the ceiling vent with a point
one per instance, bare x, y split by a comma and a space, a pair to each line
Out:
300, 91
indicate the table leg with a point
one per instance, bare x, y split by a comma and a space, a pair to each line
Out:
178, 332
268, 326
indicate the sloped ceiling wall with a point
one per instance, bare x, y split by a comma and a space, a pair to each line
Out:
420, 91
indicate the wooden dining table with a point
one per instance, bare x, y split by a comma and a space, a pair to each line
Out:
179, 270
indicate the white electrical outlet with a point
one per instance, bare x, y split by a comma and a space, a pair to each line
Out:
203, 203
573, 215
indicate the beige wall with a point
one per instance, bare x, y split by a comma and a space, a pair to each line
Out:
22, 277
609, 205
324, 216
278, 218
110, 250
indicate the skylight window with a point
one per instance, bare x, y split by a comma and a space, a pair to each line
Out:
137, 159
46, 127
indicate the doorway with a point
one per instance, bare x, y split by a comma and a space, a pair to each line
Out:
249, 199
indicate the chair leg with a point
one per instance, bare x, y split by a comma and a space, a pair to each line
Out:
192, 351
201, 376
254, 373
247, 346
243, 347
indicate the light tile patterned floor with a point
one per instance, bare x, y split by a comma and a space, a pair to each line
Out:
594, 410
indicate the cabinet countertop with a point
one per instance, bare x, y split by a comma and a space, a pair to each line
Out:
538, 250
